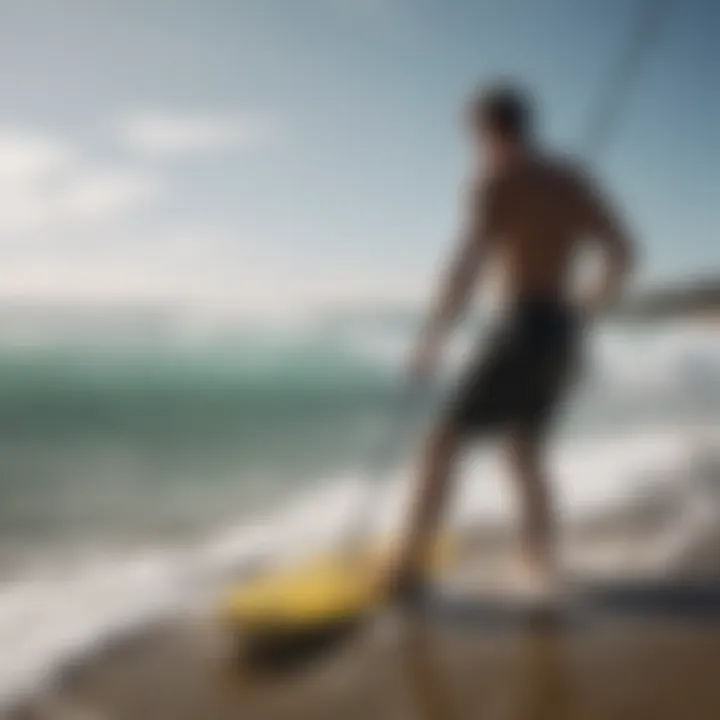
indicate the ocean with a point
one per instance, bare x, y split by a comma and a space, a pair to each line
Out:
137, 477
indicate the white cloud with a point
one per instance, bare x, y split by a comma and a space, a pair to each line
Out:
168, 133
29, 156
196, 268
47, 185
80, 198
63, 235
103, 193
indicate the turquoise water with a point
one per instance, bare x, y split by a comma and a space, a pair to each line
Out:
138, 442
122, 445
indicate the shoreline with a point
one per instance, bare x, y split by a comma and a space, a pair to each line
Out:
613, 667
620, 662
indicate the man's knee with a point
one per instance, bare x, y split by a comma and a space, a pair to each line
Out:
445, 442
525, 452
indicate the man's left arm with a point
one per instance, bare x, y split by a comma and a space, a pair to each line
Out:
460, 279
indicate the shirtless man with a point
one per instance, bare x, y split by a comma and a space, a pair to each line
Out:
531, 213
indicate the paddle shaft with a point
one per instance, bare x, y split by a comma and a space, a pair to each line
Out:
390, 435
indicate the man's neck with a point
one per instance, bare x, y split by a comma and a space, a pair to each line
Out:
508, 157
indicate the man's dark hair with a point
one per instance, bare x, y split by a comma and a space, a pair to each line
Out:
504, 110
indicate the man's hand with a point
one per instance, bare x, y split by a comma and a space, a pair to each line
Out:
592, 304
425, 359
607, 290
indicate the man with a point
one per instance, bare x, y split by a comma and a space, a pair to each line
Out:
531, 213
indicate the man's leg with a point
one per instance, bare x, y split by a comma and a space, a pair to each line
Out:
428, 501
537, 521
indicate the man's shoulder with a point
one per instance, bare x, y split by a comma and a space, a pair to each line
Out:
483, 186
565, 166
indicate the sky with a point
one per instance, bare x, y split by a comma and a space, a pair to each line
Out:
253, 155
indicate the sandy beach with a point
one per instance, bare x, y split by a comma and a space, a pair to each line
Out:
606, 667
627, 650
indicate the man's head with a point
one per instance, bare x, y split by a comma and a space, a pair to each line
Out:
501, 120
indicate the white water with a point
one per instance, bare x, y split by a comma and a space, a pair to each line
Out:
46, 622
49, 618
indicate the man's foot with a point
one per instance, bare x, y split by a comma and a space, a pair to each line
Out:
537, 583
402, 584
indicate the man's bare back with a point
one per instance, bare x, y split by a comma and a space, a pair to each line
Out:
537, 213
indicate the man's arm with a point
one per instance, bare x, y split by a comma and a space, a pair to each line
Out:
460, 279
603, 223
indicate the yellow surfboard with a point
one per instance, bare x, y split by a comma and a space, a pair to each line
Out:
320, 591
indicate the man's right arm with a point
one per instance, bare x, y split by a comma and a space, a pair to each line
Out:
607, 229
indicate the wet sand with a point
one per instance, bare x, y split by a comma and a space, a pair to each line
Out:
611, 660
417, 667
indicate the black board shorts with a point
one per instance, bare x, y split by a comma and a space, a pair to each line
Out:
521, 377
